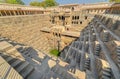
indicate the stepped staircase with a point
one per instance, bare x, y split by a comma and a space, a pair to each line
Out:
15, 59
99, 40
30, 63
7, 71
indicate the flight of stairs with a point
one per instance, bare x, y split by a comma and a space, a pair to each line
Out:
62, 73
14, 58
98, 49
106, 73
30, 64
7, 71
118, 55
87, 64
99, 42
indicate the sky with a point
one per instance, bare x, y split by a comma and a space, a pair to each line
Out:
69, 1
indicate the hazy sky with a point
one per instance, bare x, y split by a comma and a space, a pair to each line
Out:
70, 1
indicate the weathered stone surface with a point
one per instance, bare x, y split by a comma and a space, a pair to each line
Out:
88, 38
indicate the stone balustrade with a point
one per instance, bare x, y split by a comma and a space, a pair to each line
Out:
18, 7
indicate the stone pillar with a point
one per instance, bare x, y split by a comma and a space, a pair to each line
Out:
24, 12
10, 13
18, 13
5, 13
14, 12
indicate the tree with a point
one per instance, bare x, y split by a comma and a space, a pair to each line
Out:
35, 3
115, 1
42, 4
45, 3
13, 1
20, 2
2, 1
50, 3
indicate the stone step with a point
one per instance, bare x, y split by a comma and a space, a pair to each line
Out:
17, 46
118, 60
5, 38
97, 54
118, 54
98, 48
10, 62
13, 75
17, 62
87, 66
118, 47
9, 58
7, 72
87, 61
106, 74
13, 51
105, 77
118, 51
1, 40
3, 69
10, 51
107, 69
21, 50
10, 41
26, 51
4, 56
118, 57
5, 46
27, 71
97, 51
22, 66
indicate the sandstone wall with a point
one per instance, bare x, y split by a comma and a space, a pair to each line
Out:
26, 29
